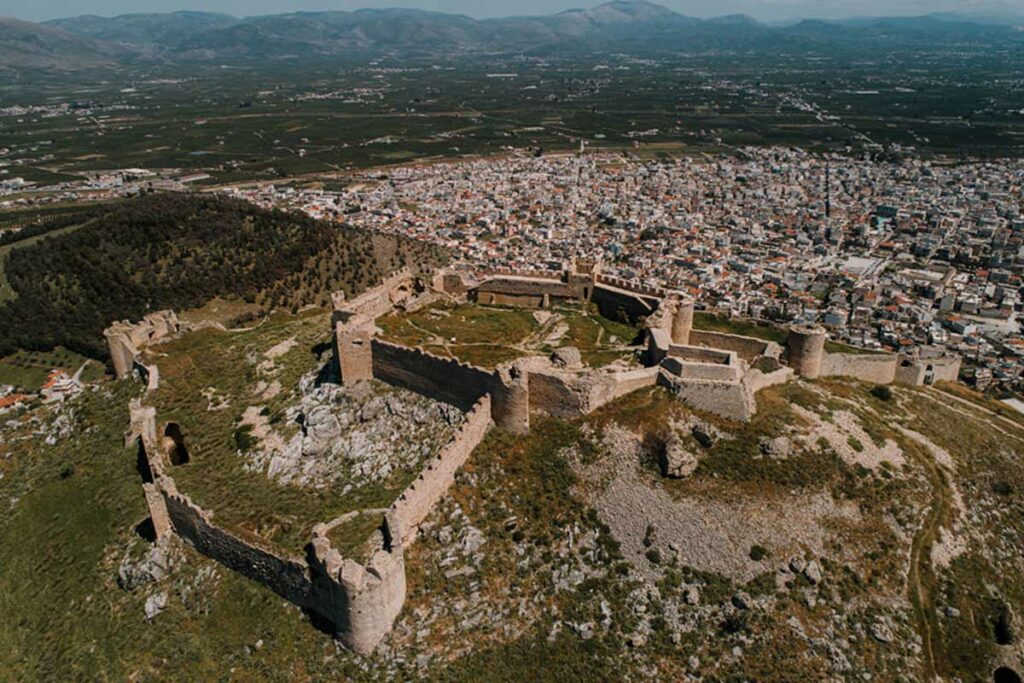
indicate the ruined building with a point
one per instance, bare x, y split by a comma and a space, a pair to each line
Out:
710, 371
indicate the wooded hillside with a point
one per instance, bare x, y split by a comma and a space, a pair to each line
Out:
180, 251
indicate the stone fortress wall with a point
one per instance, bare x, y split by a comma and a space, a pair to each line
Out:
709, 371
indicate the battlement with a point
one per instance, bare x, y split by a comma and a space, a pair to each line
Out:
632, 286
528, 273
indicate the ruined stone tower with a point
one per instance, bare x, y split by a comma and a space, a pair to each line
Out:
806, 344
355, 353
511, 400
682, 322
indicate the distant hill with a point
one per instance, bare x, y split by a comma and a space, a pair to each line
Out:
180, 251
631, 26
24, 45
144, 29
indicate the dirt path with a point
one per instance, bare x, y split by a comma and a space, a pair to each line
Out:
1005, 420
921, 581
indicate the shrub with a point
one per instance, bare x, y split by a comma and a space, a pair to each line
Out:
882, 392
758, 553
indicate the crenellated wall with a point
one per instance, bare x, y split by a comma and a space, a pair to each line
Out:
445, 379
748, 348
362, 601
879, 368
290, 578
415, 503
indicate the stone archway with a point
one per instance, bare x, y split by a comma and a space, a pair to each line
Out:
174, 445
1005, 674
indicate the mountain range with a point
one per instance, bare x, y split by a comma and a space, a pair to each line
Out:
633, 26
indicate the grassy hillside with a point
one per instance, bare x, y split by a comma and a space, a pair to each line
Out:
916, 540
179, 251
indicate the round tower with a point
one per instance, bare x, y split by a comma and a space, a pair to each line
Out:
806, 344
510, 405
682, 322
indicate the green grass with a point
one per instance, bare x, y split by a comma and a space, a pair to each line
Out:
712, 323
250, 503
488, 336
28, 370
350, 537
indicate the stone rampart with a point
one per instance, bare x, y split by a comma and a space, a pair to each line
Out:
415, 503
567, 395
917, 372
757, 380
702, 371
731, 400
525, 292
532, 273
879, 368
618, 304
443, 379
289, 578
748, 348
702, 354
125, 340
376, 301
362, 601
632, 286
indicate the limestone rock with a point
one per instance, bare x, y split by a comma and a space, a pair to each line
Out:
778, 448
705, 434
813, 572
741, 600
567, 357
676, 461
155, 604
150, 568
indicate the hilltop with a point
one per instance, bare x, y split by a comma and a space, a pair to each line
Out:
635, 27
179, 251
627, 529
842, 530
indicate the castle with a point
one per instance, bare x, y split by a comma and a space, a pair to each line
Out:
709, 371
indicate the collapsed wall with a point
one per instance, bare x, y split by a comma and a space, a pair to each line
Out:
126, 340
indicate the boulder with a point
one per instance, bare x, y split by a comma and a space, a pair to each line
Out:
778, 448
676, 461
568, 357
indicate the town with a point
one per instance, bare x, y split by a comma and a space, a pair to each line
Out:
886, 256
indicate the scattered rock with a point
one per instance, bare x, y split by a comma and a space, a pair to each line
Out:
741, 600
151, 567
881, 631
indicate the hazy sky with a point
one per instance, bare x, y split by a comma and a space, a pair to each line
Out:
761, 9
